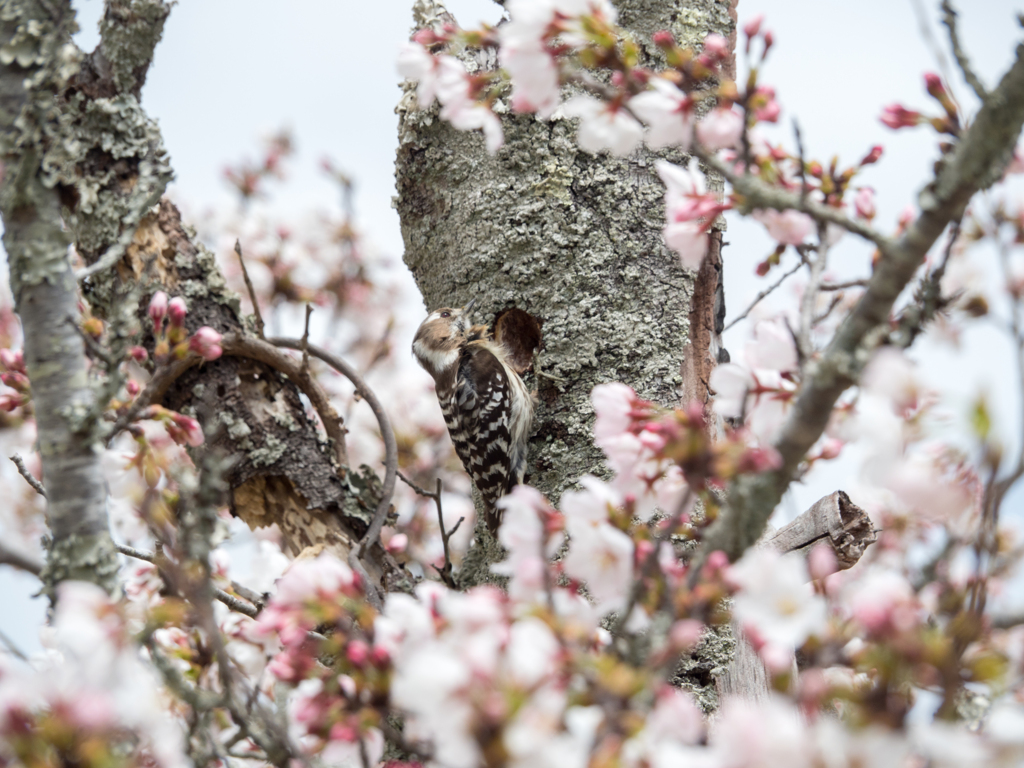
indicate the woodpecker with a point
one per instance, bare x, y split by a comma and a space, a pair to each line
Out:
485, 403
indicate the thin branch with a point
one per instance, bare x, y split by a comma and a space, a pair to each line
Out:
949, 19
12, 647
29, 477
805, 344
252, 291
804, 188
758, 194
649, 563
387, 433
19, 560
94, 346
975, 163
305, 341
762, 295
924, 25
861, 283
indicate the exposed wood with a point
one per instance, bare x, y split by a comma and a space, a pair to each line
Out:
833, 519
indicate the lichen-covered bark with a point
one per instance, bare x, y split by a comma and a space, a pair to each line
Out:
103, 166
572, 238
36, 59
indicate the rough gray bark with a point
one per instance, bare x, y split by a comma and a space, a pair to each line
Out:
99, 167
570, 237
36, 60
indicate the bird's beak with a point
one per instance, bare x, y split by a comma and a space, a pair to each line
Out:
468, 307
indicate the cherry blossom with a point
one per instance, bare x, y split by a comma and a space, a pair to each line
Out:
686, 202
721, 128
788, 227
667, 112
604, 126
205, 342
776, 605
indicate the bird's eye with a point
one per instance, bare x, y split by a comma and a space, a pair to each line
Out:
446, 314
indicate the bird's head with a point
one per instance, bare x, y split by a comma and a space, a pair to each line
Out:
437, 342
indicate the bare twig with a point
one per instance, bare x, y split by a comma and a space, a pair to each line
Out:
446, 572
810, 297
843, 285
94, 346
12, 647
649, 563
762, 295
252, 291
305, 341
372, 534
949, 19
29, 477
804, 188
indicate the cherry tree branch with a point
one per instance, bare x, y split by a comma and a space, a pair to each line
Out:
949, 15
977, 162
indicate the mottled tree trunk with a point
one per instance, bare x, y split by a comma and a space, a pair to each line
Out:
574, 239
89, 168
36, 58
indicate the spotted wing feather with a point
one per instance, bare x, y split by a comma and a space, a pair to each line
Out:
477, 415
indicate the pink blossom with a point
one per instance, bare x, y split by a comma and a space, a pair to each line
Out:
822, 561
896, 116
775, 604
667, 112
397, 543
158, 308
689, 240
525, 55
685, 634
788, 227
717, 46
416, 63
892, 377
205, 342
176, 311
187, 429
604, 127
138, 354
458, 106
523, 533
881, 601
686, 201
864, 203
752, 27
768, 733
13, 360
600, 554
721, 128
613, 404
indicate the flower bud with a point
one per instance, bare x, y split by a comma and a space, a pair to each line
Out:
664, 39
397, 543
158, 308
873, 155
896, 116
133, 387
753, 26
176, 311
864, 203
934, 85
13, 360
206, 343
716, 46
138, 354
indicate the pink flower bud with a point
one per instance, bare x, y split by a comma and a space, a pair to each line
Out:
206, 343
176, 311
9, 401
138, 354
358, 652
864, 203
13, 360
907, 215
753, 26
187, 428
379, 657
397, 543
685, 634
822, 561
664, 39
831, 448
896, 116
716, 46
873, 155
158, 308
133, 387
934, 85
769, 40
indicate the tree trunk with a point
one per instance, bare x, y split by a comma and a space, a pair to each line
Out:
572, 238
35, 60
96, 162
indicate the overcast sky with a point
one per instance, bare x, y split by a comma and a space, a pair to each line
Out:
230, 71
